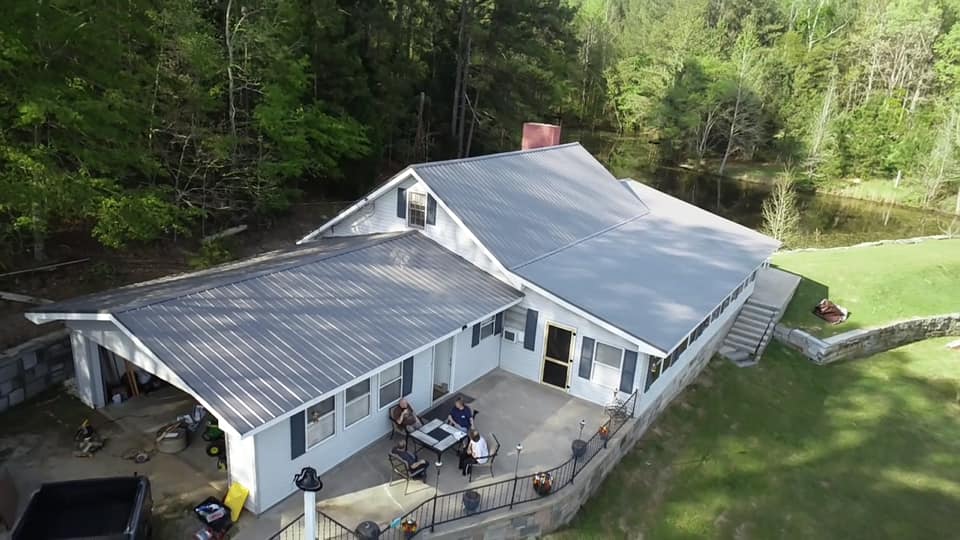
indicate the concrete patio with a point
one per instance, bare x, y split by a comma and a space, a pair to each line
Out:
545, 421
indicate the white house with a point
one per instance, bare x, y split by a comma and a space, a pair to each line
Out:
539, 262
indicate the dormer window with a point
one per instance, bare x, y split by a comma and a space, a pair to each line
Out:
417, 209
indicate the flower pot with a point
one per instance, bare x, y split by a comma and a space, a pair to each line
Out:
471, 501
542, 483
579, 448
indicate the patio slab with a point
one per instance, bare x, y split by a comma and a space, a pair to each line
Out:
544, 420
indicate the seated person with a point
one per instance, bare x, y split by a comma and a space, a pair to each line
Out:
404, 415
415, 466
460, 417
476, 452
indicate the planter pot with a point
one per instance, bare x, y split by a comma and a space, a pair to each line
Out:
368, 530
543, 483
579, 448
471, 501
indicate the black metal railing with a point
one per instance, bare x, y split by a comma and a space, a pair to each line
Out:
327, 529
475, 500
763, 336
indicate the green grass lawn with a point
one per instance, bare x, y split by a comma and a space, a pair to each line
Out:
877, 284
857, 450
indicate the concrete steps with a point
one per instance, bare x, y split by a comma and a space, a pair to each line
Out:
750, 334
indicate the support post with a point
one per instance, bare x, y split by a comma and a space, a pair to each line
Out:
516, 472
309, 483
436, 492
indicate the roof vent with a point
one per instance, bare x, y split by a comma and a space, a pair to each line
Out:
536, 135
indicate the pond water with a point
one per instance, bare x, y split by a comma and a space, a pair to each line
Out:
826, 220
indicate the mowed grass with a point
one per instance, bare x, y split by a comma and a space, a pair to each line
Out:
857, 450
877, 284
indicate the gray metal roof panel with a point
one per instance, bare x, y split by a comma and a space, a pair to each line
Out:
259, 347
147, 292
658, 276
523, 205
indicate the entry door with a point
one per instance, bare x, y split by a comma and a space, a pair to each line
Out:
557, 356
442, 368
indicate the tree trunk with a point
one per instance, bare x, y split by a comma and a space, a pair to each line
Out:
231, 85
473, 122
463, 100
458, 81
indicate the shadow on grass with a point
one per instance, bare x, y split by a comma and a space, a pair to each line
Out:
858, 450
799, 313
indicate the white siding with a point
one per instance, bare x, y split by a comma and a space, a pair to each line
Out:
380, 215
471, 363
377, 216
526, 363
275, 469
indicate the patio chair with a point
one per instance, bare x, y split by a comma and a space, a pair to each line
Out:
490, 459
396, 428
400, 468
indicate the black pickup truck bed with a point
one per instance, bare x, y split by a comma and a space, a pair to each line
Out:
102, 509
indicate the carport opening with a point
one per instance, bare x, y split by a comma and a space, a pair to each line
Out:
142, 402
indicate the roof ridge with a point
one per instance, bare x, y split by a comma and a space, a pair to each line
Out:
584, 239
494, 156
387, 237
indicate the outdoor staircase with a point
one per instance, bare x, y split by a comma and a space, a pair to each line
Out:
750, 333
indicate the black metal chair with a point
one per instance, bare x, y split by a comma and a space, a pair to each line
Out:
399, 468
490, 458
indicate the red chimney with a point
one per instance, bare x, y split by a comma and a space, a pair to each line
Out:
536, 135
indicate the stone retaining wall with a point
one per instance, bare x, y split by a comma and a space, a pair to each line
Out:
532, 520
914, 240
867, 341
32, 367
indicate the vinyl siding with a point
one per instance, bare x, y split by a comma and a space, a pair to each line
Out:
380, 215
525, 363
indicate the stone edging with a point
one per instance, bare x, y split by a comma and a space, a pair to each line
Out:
867, 341
914, 240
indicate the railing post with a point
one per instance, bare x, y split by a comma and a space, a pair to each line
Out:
513, 496
436, 492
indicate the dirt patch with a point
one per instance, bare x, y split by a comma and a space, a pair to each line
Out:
36, 446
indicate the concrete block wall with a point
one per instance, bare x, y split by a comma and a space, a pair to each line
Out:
867, 341
30, 368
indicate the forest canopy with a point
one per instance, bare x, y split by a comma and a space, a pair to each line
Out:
141, 120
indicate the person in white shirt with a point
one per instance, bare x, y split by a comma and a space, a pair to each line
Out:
476, 452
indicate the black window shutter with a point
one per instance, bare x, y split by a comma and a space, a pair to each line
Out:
498, 324
401, 203
530, 332
298, 434
407, 376
628, 372
431, 210
586, 358
476, 335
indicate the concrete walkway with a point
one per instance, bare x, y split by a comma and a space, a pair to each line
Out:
543, 419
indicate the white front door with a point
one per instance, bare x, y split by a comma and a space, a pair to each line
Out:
442, 368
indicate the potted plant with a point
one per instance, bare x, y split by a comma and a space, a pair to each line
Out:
604, 433
408, 527
542, 483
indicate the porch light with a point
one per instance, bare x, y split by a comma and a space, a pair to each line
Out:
309, 483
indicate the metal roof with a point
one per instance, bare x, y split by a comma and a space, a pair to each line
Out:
261, 338
523, 205
657, 276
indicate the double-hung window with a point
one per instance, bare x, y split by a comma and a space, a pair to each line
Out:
607, 364
417, 209
391, 384
358, 402
321, 422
